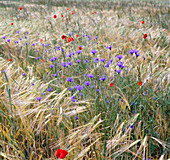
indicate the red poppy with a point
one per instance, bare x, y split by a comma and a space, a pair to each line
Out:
61, 154
12, 23
80, 48
20, 8
111, 84
70, 39
67, 19
77, 35
93, 13
67, 9
72, 13
42, 60
55, 16
143, 22
63, 37
18, 18
41, 40
139, 83
164, 30
61, 15
10, 59
144, 36
16, 13
96, 12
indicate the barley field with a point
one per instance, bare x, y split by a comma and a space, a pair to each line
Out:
84, 80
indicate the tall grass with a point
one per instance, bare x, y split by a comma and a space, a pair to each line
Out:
123, 121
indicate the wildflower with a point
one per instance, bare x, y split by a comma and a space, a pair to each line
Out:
55, 16
80, 47
118, 71
92, 12
38, 58
73, 53
143, 22
98, 90
103, 59
20, 8
64, 64
93, 51
86, 61
69, 63
144, 93
42, 60
17, 32
78, 60
83, 35
49, 89
107, 65
139, 83
44, 93
77, 35
61, 15
70, 79
23, 74
63, 37
38, 98
58, 48
119, 57
51, 66
93, 86
67, 9
144, 36
12, 23
131, 126
10, 59
137, 54
76, 117
164, 30
90, 75
41, 40
109, 47
96, 60
33, 44
78, 51
32, 84
131, 52
95, 12
71, 89
20, 39
16, 41
111, 84
102, 78
119, 63
87, 83
61, 154
3, 37
85, 75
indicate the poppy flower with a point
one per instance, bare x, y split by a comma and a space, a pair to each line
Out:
16, 13
42, 60
143, 22
139, 83
55, 16
144, 36
10, 59
61, 15
70, 39
18, 18
12, 23
63, 37
41, 40
96, 12
77, 35
164, 30
80, 48
92, 12
111, 84
20, 8
67, 19
67, 9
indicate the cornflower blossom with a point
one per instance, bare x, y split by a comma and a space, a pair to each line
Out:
109, 47
118, 71
90, 75
49, 89
70, 79
69, 63
78, 60
119, 57
87, 83
93, 51
51, 66
64, 64
96, 60
23, 74
102, 78
86, 61
38, 98
8, 40
102, 60
78, 51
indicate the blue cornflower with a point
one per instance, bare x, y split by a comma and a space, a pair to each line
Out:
103, 59
144, 93
58, 48
78, 60
38, 98
70, 88
38, 58
16, 41
85, 75
119, 63
69, 63
44, 93
49, 89
87, 83
79, 51
131, 126
93, 86
102, 78
118, 71
89, 38
98, 90
107, 65
96, 60
122, 66
8, 40
70, 79
86, 61
51, 66
83, 35
23, 74
73, 53
27, 32
55, 75
119, 57
33, 44
64, 64
109, 47
135, 51
111, 60
52, 59
20, 39
131, 52
93, 51
90, 75
17, 32
76, 117
81, 94
3, 37
137, 54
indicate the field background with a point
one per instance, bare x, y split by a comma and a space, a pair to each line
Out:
127, 121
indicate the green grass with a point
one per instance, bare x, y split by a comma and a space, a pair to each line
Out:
32, 129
